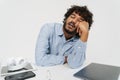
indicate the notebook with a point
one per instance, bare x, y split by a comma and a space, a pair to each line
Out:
95, 71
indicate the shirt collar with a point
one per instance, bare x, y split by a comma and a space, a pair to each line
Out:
60, 30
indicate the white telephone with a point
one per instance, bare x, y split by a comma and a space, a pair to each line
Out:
16, 63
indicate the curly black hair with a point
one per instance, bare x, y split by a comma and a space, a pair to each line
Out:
82, 11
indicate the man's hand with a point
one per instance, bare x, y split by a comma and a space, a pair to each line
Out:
83, 30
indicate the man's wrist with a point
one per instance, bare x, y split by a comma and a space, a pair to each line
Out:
84, 36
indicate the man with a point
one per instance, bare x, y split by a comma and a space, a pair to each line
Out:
65, 43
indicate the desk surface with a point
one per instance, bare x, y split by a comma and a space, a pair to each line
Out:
58, 72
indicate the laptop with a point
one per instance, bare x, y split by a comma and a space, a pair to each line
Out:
95, 71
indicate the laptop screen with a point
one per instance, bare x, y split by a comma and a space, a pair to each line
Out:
96, 71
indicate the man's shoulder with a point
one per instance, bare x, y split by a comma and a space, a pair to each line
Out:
51, 27
53, 24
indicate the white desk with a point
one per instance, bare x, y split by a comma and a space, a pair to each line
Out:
59, 72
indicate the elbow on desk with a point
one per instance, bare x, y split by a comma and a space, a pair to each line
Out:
37, 63
74, 66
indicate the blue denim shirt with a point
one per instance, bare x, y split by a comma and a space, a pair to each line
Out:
52, 47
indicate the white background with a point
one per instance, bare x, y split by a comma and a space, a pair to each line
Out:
21, 20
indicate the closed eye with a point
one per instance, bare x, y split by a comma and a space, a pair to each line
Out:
72, 16
81, 19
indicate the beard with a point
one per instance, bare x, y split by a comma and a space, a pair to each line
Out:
68, 31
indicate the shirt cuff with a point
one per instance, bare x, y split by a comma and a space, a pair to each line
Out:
80, 45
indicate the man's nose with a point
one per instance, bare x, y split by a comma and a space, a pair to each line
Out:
74, 20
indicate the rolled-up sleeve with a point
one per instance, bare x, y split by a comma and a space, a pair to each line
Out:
77, 56
43, 57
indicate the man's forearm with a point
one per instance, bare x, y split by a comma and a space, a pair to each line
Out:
84, 36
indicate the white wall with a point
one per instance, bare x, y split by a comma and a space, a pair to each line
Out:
20, 22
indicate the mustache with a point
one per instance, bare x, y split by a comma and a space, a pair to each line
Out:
72, 24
